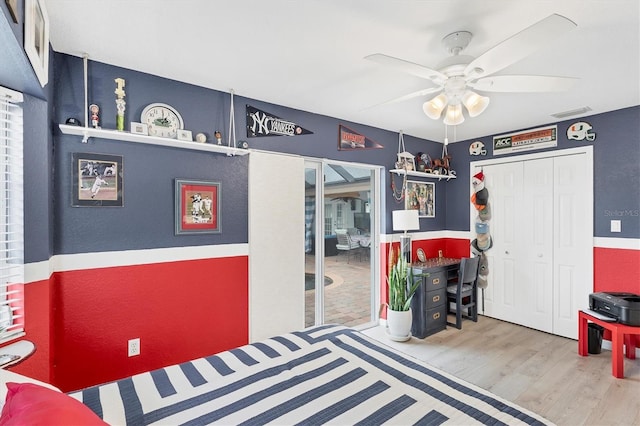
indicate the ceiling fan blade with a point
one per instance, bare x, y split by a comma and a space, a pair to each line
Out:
409, 96
520, 45
408, 67
523, 83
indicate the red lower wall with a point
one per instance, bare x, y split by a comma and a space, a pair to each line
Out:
179, 310
616, 270
37, 306
81, 321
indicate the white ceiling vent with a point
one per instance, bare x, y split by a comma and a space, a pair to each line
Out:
566, 114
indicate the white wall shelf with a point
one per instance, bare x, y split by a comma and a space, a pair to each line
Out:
422, 174
87, 132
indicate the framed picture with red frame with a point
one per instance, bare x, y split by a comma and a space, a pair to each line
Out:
197, 204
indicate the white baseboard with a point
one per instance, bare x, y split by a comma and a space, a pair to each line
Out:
606, 345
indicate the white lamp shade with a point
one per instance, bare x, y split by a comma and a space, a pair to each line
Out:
454, 115
434, 107
405, 220
475, 103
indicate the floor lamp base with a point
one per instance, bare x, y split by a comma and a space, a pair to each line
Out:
405, 247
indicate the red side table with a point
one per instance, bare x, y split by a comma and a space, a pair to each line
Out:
621, 335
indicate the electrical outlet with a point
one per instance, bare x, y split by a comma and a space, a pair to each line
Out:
134, 347
616, 226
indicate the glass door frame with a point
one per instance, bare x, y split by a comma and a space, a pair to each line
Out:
375, 203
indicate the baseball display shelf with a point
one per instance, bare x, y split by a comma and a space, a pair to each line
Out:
152, 140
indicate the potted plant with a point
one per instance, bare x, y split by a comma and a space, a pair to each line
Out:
402, 285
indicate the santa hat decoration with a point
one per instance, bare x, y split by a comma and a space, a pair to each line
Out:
478, 181
480, 195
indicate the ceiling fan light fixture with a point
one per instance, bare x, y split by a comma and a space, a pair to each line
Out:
475, 103
434, 107
454, 115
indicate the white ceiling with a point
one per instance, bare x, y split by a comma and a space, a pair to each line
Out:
309, 54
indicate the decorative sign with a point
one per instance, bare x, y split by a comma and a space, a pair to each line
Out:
542, 137
348, 140
260, 124
580, 131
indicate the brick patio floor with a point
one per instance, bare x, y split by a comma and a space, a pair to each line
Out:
348, 298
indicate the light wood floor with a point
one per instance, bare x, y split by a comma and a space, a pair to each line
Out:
536, 370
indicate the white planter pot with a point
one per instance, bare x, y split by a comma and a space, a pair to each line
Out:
399, 325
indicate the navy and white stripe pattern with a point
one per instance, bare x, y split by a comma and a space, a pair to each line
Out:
321, 375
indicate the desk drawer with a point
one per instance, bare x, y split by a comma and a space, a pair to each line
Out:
428, 322
435, 298
437, 319
435, 281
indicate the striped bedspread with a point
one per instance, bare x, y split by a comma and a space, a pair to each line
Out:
321, 375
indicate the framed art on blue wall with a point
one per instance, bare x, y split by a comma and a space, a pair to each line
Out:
36, 38
97, 180
421, 196
197, 205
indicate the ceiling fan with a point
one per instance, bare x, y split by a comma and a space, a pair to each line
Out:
459, 75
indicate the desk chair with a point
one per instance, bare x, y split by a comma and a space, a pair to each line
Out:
464, 292
346, 244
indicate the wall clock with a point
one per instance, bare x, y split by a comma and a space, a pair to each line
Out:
163, 120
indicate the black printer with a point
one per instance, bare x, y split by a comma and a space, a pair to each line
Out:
623, 307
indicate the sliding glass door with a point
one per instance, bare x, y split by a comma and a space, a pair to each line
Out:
341, 241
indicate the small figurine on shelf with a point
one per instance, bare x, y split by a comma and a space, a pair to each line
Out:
120, 103
218, 136
95, 118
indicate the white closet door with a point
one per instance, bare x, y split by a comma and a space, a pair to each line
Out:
535, 290
573, 241
541, 263
276, 244
504, 183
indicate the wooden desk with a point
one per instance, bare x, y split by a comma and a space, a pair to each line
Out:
621, 335
429, 303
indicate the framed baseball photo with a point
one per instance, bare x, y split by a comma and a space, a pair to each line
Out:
197, 205
421, 196
97, 180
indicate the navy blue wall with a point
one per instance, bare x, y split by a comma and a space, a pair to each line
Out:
616, 157
146, 220
150, 170
16, 73
38, 180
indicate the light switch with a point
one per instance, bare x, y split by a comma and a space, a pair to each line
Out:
616, 226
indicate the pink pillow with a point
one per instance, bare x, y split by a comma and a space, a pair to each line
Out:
31, 404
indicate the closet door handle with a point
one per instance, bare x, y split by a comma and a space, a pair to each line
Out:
506, 252
539, 254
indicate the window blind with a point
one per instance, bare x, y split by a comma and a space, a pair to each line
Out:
11, 216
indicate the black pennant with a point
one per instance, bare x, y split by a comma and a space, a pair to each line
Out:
349, 139
261, 124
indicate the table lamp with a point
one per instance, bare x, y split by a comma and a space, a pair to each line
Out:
405, 220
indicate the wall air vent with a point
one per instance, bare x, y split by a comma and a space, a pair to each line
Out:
566, 114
